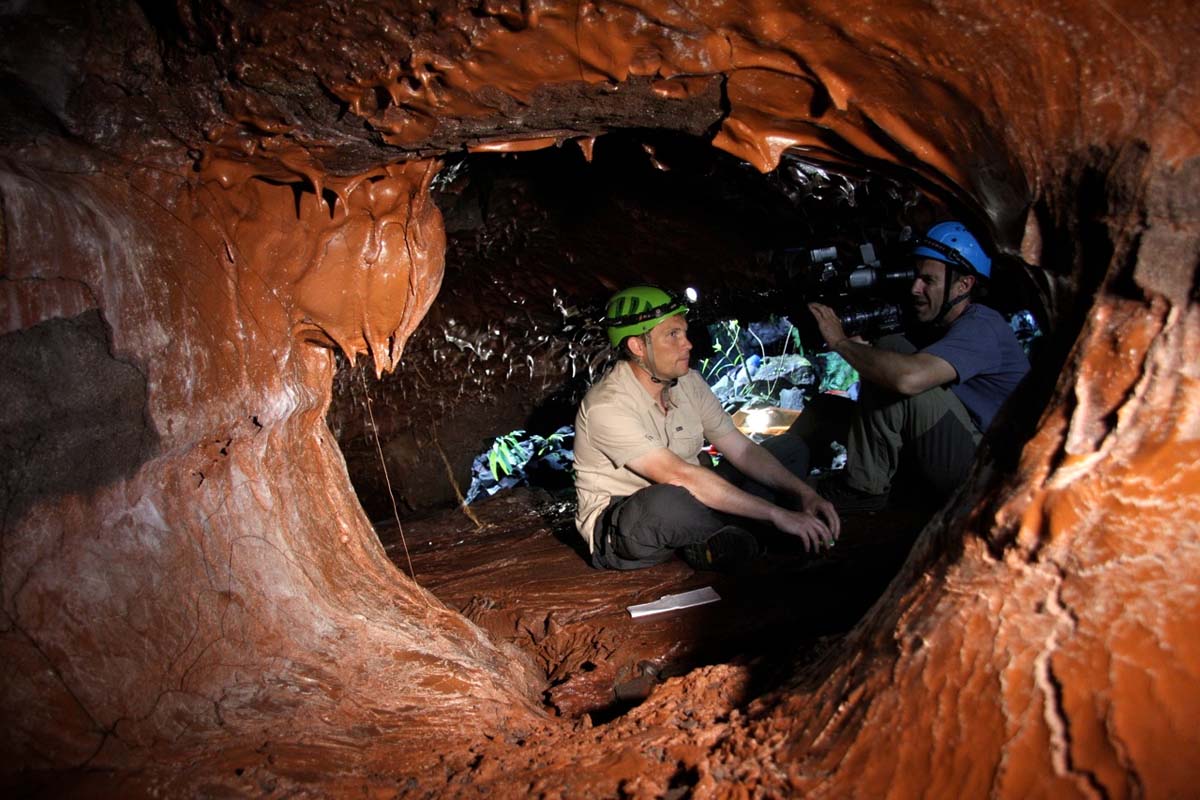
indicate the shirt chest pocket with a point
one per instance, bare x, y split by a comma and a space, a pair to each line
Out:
685, 438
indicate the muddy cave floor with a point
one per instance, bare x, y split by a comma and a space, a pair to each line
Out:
524, 578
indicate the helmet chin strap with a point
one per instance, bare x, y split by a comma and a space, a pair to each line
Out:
646, 364
947, 302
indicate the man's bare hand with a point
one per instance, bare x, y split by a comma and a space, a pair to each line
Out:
813, 532
822, 509
828, 323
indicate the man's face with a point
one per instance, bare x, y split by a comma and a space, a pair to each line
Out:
670, 348
929, 289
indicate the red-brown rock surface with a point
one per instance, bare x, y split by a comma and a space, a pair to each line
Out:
201, 203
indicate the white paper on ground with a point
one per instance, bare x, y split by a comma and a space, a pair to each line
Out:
673, 602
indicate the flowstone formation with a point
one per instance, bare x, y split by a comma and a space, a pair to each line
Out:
202, 204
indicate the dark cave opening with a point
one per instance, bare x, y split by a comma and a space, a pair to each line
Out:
536, 244
538, 241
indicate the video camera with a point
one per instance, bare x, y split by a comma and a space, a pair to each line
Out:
867, 297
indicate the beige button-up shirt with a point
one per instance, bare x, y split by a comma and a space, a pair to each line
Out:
618, 421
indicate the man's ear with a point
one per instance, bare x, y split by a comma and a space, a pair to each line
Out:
968, 282
636, 346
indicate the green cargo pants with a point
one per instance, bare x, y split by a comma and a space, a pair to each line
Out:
929, 436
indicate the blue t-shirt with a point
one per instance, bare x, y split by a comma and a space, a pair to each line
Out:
989, 361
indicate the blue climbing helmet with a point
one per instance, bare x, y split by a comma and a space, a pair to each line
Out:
951, 243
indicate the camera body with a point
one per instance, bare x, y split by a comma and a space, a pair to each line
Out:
868, 297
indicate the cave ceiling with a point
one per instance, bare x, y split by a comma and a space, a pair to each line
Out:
328, 95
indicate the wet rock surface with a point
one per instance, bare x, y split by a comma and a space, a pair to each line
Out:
524, 579
240, 190
65, 401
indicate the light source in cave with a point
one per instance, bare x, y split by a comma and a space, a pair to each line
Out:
758, 420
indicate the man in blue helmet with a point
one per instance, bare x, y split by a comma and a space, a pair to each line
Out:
927, 407
643, 494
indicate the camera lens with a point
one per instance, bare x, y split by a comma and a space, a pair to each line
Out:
883, 318
820, 255
863, 278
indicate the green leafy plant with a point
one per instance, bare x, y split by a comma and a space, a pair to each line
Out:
552, 442
725, 370
518, 458
505, 453
758, 379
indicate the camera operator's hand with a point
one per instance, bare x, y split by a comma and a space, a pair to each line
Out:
829, 324
803, 525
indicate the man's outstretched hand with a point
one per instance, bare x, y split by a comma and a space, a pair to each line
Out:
809, 529
822, 509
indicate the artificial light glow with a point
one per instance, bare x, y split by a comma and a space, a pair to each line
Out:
691, 294
758, 420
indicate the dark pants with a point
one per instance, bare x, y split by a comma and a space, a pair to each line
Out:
648, 526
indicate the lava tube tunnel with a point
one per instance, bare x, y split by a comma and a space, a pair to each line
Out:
299, 301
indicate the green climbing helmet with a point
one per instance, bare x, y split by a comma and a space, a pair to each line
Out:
638, 309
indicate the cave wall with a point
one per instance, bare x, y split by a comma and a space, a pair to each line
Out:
223, 570
213, 197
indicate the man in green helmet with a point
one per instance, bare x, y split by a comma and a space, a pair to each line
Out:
643, 494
